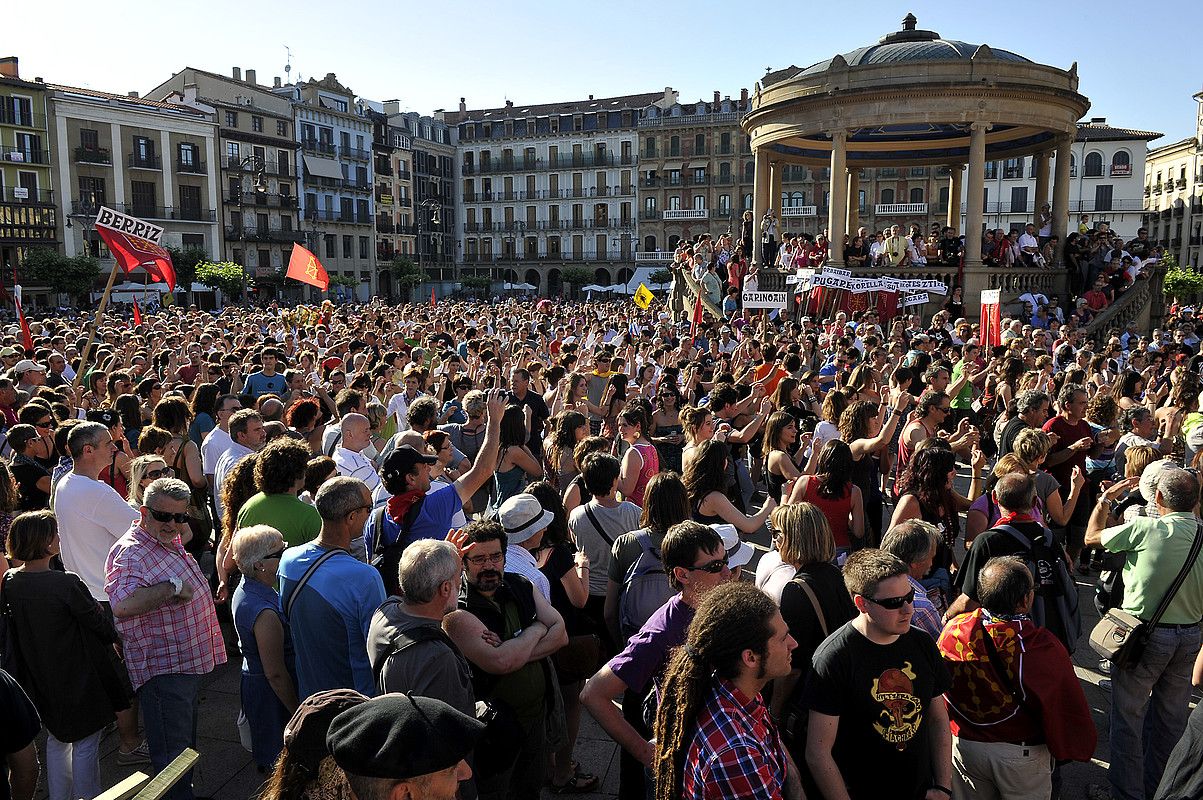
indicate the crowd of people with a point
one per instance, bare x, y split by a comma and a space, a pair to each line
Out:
489, 519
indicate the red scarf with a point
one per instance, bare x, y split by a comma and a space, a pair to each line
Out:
1007, 519
399, 504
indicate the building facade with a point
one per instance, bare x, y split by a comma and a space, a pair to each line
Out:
335, 165
148, 158
256, 165
434, 207
1173, 187
545, 187
28, 216
392, 150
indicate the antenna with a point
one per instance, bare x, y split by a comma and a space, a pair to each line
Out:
288, 62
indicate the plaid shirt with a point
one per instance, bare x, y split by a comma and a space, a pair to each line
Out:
177, 638
927, 617
736, 752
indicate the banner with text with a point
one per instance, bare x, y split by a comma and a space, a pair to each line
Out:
915, 299
753, 300
991, 318
135, 243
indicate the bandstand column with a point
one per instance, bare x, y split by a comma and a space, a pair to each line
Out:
777, 173
973, 196
760, 200
955, 178
1041, 165
1061, 189
837, 199
853, 218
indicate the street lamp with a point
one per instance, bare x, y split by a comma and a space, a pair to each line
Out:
432, 206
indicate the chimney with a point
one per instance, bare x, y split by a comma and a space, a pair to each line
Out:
250, 77
132, 94
510, 103
8, 67
392, 107
743, 96
1098, 120
590, 97
276, 82
717, 98
189, 93
668, 96
462, 105
237, 73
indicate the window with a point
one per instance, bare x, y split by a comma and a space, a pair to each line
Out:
281, 128
750, 172
917, 195
1102, 197
231, 119
190, 202
887, 197
1094, 165
143, 195
991, 170
649, 147
362, 207
699, 144
330, 251
649, 205
257, 123
20, 110
233, 156
674, 177
1073, 168
188, 156
699, 175
348, 246
699, 202
1013, 168
363, 247
724, 143
942, 205
674, 146
1019, 199
91, 193
724, 172
346, 210
724, 203
747, 202
89, 139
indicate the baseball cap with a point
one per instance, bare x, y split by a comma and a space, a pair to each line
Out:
400, 463
9, 352
28, 365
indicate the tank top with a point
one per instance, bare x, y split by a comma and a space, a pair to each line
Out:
651, 465
836, 509
706, 519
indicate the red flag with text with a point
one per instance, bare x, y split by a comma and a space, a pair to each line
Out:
304, 267
134, 243
991, 318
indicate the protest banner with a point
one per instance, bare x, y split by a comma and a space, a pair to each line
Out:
915, 299
753, 300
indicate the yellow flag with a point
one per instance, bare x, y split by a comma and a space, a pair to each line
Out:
643, 297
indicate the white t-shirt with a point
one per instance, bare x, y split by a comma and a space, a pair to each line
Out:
355, 465
233, 454
215, 443
1026, 240
91, 517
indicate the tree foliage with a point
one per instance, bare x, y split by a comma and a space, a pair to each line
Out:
185, 260
477, 282
405, 272
577, 276
227, 276
661, 277
73, 276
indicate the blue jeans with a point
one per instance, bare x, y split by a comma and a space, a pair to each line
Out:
1149, 707
169, 707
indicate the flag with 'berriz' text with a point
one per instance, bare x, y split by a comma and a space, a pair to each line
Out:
304, 267
134, 243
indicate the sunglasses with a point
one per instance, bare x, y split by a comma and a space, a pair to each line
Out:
713, 567
167, 516
155, 474
278, 554
47, 424
893, 603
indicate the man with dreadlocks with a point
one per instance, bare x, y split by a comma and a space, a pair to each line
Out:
714, 736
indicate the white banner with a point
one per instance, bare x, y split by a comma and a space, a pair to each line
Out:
124, 223
765, 299
836, 271
991, 297
915, 299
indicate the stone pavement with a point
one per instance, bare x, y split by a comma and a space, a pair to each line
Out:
225, 770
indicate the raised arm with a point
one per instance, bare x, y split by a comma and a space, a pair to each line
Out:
485, 465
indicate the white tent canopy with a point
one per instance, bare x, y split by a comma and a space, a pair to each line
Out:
643, 275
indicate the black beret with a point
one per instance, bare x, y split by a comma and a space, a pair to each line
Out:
401, 736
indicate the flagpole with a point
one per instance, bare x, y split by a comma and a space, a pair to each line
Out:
104, 301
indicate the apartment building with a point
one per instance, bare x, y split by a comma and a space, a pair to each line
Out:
1173, 187
256, 165
149, 158
28, 217
392, 150
335, 165
548, 186
434, 206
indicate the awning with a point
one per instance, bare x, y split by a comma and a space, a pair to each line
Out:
323, 167
671, 165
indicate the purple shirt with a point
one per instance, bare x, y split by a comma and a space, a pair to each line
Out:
646, 652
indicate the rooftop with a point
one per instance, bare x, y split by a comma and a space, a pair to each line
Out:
591, 105
1097, 130
125, 99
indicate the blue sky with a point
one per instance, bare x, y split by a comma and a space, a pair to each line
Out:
1137, 61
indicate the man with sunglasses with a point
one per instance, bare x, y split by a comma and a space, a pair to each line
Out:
505, 628
168, 624
874, 694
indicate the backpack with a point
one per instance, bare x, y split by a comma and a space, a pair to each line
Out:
645, 587
407, 639
386, 558
1056, 603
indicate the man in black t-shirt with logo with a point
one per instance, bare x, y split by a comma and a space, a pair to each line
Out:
878, 722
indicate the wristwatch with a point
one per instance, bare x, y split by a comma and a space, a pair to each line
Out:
177, 585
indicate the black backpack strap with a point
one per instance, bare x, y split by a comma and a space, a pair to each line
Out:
338, 438
378, 526
597, 525
407, 639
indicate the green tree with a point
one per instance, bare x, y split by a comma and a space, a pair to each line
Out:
661, 277
227, 276
407, 274
185, 260
577, 277
71, 276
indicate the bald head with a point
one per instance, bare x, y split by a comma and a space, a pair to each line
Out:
357, 432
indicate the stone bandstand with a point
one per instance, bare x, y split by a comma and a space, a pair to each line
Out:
916, 99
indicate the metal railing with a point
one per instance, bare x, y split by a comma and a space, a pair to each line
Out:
685, 120
17, 155
799, 211
19, 194
318, 146
685, 213
658, 257
140, 161
900, 208
191, 167
92, 155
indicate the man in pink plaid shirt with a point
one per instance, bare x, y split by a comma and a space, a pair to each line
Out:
167, 622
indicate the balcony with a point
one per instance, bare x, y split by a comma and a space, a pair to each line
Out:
649, 215
384, 225
319, 147
355, 153
656, 257
1180, 183
20, 118
19, 194
799, 211
144, 161
92, 155
15, 156
191, 214
1194, 240
1121, 170
191, 167
384, 169
900, 208
404, 175
1157, 188
721, 213
720, 118
86, 208
674, 214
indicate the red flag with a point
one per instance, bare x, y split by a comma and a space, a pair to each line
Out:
132, 252
887, 306
991, 323
697, 315
26, 334
433, 301
304, 267
137, 314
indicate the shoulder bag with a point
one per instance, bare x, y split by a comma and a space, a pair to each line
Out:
1120, 637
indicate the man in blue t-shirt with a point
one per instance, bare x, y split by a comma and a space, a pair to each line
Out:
329, 596
267, 380
406, 476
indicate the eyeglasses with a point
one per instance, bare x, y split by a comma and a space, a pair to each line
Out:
167, 516
155, 474
893, 603
713, 567
278, 554
944, 409
480, 561
358, 508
